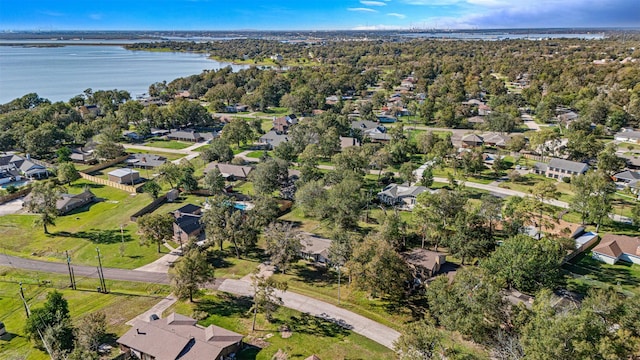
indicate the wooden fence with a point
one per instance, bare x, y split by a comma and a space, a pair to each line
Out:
149, 208
15, 195
97, 180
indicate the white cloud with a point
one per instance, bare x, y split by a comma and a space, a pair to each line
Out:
373, 3
399, 16
378, 27
51, 13
361, 9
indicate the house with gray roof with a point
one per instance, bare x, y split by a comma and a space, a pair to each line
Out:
145, 161
125, 176
401, 194
424, 263
629, 136
68, 202
22, 165
273, 139
185, 135
230, 171
315, 248
178, 337
560, 168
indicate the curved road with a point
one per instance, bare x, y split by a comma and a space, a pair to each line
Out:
359, 324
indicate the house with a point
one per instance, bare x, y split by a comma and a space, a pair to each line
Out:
404, 195
230, 172
24, 166
475, 120
145, 161
124, 176
276, 57
80, 155
236, 108
471, 140
68, 202
178, 337
272, 139
371, 129
346, 142
633, 161
560, 168
613, 248
626, 177
185, 135
629, 136
496, 139
424, 263
159, 132
484, 110
88, 110
187, 223
132, 135
315, 248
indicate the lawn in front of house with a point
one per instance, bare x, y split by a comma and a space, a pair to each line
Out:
126, 301
168, 144
310, 335
589, 272
80, 232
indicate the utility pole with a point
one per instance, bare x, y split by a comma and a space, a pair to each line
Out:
338, 283
103, 284
24, 302
72, 284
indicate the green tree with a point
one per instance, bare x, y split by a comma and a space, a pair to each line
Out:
215, 219
218, 150
91, 331
406, 172
191, 271
169, 173
43, 198
592, 196
63, 154
152, 188
265, 298
419, 341
542, 193
283, 244
109, 150
51, 323
67, 173
237, 131
527, 264
213, 181
427, 177
377, 268
269, 176
311, 198
155, 229
470, 237
608, 162
186, 180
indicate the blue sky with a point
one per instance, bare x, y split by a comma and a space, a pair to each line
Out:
313, 14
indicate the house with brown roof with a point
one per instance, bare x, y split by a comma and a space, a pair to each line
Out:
613, 248
471, 140
424, 263
315, 248
178, 337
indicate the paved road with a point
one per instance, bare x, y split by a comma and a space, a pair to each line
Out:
84, 271
359, 324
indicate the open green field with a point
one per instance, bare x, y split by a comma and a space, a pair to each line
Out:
169, 156
126, 301
83, 230
168, 144
310, 335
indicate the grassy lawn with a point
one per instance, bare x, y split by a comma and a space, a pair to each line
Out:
82, 230
126, 301
593, 273
274, 111
310, 335
258, 154
168, 144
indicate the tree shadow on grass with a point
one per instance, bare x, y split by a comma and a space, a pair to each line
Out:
318, 275
311, 325
225, 305
87, 185
619, 274
99, 236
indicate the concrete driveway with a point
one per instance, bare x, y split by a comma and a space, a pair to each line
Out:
11, 207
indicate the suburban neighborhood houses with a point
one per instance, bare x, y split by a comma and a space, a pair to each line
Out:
331, 198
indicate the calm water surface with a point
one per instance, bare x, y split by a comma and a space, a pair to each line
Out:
59, 73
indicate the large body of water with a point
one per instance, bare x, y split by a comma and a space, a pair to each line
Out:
59, 73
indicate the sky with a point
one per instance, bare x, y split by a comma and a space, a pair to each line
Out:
314, 14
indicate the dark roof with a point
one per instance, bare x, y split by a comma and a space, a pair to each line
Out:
146, 160
188, 223
615, 245
189, 209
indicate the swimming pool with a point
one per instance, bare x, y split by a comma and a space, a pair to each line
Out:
15, 183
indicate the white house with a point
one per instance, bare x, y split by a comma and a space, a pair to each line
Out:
401, 194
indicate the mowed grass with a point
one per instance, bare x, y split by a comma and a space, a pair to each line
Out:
309, 336
83, 230
168, 144
126, 301
589, 272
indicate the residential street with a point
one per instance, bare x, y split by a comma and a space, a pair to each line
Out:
359, 324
